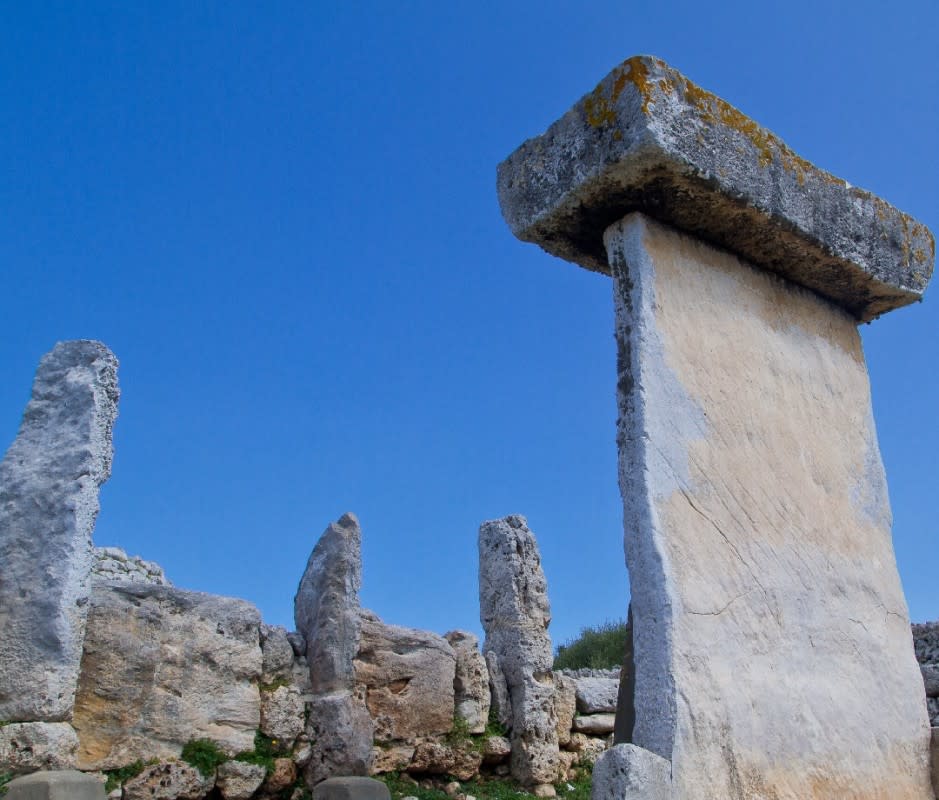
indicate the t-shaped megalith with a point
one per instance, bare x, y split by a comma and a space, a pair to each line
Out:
49, 481
772, 647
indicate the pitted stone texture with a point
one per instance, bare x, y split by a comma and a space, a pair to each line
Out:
766, 603
515, 613
169, 780
341, 733
351, 788
66, 784
594, 724
437, 758
326, 606
49, 482
627, 772
113, 564
500, 700
565, 705
238, 780
277, 654
407, 677
597, 695
282, 715
647, 139
30, 746
163, 666
471, 684
926, 642
934, 748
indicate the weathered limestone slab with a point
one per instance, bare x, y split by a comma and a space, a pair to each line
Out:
767, 607
163, 666
169, 780
49, 481
515, 613
471, 683
66, 784
648, 139
407, 676
351, 788
326, 606
627, 772
30, 746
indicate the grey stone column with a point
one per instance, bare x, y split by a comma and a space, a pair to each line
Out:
49, 481
773, 655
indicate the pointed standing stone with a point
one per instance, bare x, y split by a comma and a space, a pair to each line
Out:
49, 482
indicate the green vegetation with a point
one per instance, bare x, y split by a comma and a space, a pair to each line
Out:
204, 755
600, 647
264, 753
274, 685
117, 777
483, 788
5, 778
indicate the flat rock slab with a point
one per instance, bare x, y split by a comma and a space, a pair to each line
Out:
352, 788
627, 772
49, 481
163, 666
648, 139
63, 785
767, 606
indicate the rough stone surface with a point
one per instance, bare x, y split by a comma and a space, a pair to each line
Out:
391, 758
647, 139
565, 705
515, 613
168, 780
594, 724
62, 785
298, 643
627, 772
283, 776
49, 482
238, 780
597, 695
341, 733
930, 674
282, 714
588, 748
113, 564
934, 748
277, 654
351, 788
500, 699
437, 758
496, 749
30, 746
926, 642
471, 684
326, 606
767, 608
163, 666
408, 678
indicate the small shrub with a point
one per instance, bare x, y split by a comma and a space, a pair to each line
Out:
598, 647
117, 777
274, 685
204, 755
5, 778
264, 753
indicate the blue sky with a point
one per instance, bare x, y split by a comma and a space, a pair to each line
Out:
282, 218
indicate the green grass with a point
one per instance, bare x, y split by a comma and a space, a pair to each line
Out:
264, 753
117, 777
204, 755
598, 647
5, 778
485, 788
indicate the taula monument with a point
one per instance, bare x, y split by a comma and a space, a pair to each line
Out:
772, 647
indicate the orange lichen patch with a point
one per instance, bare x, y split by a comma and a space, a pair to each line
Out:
598, 106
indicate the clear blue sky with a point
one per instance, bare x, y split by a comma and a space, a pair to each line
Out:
282, 218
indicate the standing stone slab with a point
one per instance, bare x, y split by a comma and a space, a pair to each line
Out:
471, 683
515, 613
772, 650
66, 784
49, 481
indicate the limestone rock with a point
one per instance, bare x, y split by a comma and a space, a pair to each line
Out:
471, 684
276, 654
283, 776
169, 780
326, 606
49, 482
597, 695
238, 780
565, 706
496, 749
515, 614
931, 679
113, 564
500, 699
594, 724
437, 758
282, 715
391, 758
934, 756
408, 676
163, 666
298, 643
351, 788
66, 784
566, 761
341, 733
926, 642
627, 772
587, 748
30, 746
932, 709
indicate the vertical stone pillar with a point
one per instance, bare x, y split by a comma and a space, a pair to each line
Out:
49, 482
772, 649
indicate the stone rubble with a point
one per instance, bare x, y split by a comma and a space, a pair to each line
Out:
113, 564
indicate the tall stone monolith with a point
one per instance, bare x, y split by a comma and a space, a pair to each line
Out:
772, 647
328, 614
515, 614
49, 482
